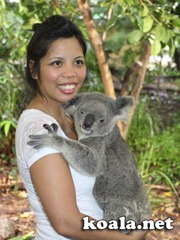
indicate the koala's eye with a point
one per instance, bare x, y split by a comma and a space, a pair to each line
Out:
101, 120
82, 112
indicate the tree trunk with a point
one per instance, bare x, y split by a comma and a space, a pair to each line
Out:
138, 73
105, 72
97, 44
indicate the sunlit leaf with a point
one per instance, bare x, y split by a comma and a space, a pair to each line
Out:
139, 22
172, 47
3, 4
168, 194
144, 11
25, 214
147, 23
161, 33
155, 48
7, 127
22, 194
135, 36
30, 234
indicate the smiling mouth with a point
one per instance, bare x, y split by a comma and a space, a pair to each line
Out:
67, 88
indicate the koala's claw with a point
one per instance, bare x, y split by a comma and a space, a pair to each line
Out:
51, 128
36, 146
37, 137
38, 141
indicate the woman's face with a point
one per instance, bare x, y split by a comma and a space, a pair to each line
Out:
62, 70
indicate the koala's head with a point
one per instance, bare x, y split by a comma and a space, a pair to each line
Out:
95, 114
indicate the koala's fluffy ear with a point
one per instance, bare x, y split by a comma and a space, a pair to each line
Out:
122, 107
70, 106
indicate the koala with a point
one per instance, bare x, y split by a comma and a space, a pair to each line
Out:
101, 151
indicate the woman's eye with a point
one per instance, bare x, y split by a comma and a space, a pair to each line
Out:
57, 63
82, 112
79, 62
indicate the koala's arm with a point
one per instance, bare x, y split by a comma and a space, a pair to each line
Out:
85, 159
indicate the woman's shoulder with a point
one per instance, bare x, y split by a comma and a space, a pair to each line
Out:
34, 117
31, 121
34, 113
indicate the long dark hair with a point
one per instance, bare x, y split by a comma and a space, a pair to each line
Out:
45, 33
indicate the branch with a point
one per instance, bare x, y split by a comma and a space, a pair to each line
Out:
97, 44
108, 17
138, 82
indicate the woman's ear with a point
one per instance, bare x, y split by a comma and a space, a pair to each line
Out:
32, 69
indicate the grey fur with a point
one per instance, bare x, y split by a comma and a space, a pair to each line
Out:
101, 151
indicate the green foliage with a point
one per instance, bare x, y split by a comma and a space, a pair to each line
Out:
155, 145
11, 65
28, 236
133, 22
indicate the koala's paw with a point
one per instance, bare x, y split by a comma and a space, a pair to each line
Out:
42, 140
51, 128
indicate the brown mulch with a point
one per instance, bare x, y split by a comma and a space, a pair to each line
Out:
15, 206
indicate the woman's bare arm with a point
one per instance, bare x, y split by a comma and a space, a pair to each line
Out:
53, 182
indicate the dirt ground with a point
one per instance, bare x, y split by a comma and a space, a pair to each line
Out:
15, 206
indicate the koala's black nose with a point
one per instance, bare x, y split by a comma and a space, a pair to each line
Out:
88, 121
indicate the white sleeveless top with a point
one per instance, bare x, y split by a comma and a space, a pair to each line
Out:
31, 122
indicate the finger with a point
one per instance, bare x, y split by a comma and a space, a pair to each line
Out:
31, 143
38, 146
54, 127
37, 136
35, 144
48, 127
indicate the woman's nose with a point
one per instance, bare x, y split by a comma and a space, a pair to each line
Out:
69, 72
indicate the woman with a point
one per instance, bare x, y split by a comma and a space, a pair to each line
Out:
59, 195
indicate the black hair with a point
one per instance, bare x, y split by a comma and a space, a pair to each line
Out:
45, 34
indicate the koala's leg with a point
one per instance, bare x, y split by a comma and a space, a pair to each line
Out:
144, 207
99, 190
78, 155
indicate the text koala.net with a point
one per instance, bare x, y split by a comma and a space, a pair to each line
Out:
122, 224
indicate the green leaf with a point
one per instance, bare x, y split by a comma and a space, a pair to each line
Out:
171, 47
7, 124
7, 127
123, 4
161, 33
28, 236
3, 4
155, 47
111, 23
135, 36
147, 23
144, 11
176, 22
139, 22
130, 2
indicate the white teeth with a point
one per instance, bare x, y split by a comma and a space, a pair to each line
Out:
66, 87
